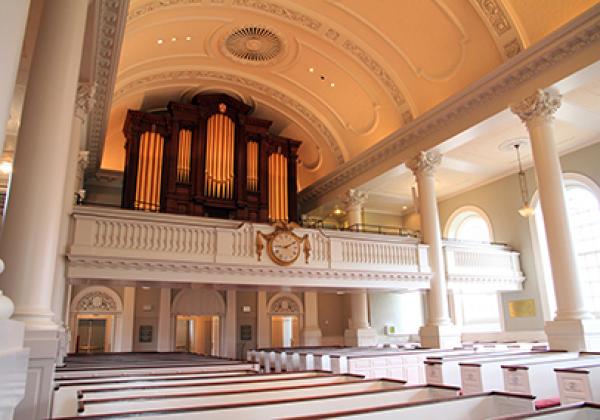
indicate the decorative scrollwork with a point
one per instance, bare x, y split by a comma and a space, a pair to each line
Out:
97, 302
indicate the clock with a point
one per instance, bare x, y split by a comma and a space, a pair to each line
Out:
283, 246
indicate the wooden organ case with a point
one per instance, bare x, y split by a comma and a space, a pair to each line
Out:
209, 158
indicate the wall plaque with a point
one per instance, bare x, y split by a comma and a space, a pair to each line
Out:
145, 334
245, 332
524, 308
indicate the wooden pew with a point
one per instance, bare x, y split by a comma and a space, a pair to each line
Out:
473, 407
579, 384
578, 411
486, 375
301, 405
132, 370
65, 399
539, 378
247, 395
445, 369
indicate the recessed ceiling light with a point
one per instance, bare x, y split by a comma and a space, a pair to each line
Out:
173, 39
404, 207
332, 84
159, 41
312, 70
188, 38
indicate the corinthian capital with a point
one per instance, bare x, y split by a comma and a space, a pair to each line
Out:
425, 162
84, 101
543, 103
355, 198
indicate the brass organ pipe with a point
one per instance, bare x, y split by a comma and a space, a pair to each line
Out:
219, 156
281, 188
271, 187
144, 195
279, 191
138, 179
159, 154
225, 157
285, 189
209, 157
151, 173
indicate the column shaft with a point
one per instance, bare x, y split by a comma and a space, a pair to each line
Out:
33, 216
263, 335
127, 334
12, 32
164, 320
231, 325
311, 334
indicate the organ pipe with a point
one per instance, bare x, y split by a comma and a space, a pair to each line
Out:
149, 172
219, 168
252, 165
184, 155
278, 194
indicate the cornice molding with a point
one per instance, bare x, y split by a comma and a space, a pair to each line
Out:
483, 99
138, 267
111, 26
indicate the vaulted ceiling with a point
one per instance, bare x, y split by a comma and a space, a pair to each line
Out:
339, 75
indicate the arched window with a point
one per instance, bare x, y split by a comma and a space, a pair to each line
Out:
583, 208
469, 223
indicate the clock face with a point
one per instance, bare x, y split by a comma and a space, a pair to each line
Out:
284, 248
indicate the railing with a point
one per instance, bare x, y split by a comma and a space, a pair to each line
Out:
135, 245
361, 227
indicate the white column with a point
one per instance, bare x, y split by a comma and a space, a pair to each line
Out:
230, 325
13, 21
74, 164
359, 333
263, 333
30, 235
127, 333
311, 333
354, 200
164, 321
439, 331
572, 328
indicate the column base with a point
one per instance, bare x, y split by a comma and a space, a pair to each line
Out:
43, 346
440, 336
360, 337
573, 335
311, 336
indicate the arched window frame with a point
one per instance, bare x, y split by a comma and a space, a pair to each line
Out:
546, 286
460, 215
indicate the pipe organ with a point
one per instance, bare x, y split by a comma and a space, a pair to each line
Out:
209, 158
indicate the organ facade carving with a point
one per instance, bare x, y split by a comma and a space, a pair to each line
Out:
209, 158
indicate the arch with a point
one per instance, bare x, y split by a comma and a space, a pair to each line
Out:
285, 304
198, 302
539, 244
462, 214
97, 302
96, 299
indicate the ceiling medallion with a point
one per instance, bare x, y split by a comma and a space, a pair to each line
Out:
253, 44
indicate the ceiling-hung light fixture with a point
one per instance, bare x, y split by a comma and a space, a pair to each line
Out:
526, 210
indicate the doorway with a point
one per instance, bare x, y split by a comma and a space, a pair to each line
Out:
93, 334
198, 334
284, 331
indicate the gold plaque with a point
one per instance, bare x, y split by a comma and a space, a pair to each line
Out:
524, 308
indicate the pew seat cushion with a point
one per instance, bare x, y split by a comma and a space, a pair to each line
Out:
547, 403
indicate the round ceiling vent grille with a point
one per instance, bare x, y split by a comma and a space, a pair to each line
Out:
254, 44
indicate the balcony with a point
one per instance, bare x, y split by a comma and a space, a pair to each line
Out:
116, 244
